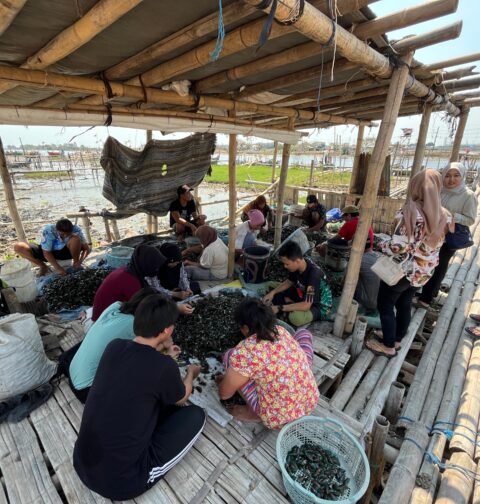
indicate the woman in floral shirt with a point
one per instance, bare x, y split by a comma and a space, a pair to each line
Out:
270, 368
419, 233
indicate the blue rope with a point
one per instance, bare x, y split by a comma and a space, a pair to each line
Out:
214, 55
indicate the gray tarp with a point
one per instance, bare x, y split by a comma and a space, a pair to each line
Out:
146, 181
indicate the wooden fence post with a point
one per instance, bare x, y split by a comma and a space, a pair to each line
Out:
392, 107
356, 159
232, 198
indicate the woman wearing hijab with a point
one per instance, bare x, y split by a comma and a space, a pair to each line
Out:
419, 233
122, 283
461, 202
171, 279
259, 203
246, 233
213, 263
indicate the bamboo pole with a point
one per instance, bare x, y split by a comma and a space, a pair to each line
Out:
456, 486
377, 458
402, 476
103, 14
149, 224
108, 233
116, 232
359, 399
312, 168
281, 187
457, 143
154, 224
379, 395
377, 161
449, 32
469, 411
351, 379
358, 337
356, 158
10, 197
435, 347
468, 58
351, 316
274, 160
318, 27
422, 138
232, 195
86, 225
394, 401
8, 12
459, 73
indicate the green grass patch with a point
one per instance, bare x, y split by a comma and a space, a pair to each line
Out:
47, 174
296, 176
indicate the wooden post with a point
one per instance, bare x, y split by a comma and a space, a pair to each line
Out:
232, 198
356, 158
377, 458
312, 167
394, 401
149, 223
116, 232
108, 233
149, 135
392, 107
358, 337
281, 187
422, 138
457, 142
10, 197
274, 160
457, 486
155, 224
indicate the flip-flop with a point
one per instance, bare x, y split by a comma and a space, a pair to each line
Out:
475, 317
473, 331
379, 353
377, 337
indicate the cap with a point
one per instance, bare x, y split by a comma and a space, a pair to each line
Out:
350, 209
311, 198
183, 189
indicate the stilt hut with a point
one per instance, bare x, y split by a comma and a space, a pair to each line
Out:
263, 68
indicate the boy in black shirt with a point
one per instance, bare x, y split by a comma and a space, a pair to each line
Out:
183, 212
305, 295
133, 429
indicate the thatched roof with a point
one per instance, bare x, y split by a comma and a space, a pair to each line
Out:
47, 45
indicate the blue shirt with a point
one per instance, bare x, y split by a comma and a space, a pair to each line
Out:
51, 239
112, 324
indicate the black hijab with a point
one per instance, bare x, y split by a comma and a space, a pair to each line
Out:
146, 261
170, 276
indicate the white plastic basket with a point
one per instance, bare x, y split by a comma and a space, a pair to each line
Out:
330, 435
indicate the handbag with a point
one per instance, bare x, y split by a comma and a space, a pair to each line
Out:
388, 269
461, 238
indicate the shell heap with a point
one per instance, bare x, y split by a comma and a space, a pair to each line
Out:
210, 330
74, 290
317, 470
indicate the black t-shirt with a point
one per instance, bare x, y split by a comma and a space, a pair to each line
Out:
321, 212
134, 384
184, 211
307, 285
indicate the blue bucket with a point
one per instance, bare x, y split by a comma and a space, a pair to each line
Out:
119, 256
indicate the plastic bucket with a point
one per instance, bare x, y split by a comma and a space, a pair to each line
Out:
119, 256
256, 262
17, 274
337, 256
300, 238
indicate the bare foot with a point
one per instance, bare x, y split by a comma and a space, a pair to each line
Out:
244, 413
42, 271
379, 337
380, 349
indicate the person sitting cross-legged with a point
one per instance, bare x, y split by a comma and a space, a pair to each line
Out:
305, 296
135, 425
61, 241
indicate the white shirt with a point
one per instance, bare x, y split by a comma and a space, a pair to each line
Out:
215, 258
240, 232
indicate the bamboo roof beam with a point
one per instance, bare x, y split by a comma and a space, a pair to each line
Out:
472, 102
39, 78
459, 73
468, 58
100, 16
460, 85
449, 32
464, 96
315, 25
406, 17
8, 12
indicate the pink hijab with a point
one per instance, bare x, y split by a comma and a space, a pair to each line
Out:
424, 196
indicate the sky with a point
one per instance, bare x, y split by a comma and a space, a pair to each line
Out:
439, 130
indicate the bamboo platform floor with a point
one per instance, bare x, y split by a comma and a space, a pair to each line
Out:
232, 464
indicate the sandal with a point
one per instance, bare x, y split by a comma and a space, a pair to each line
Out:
379, 353
378, 336
420, 304
475, 317
473, 331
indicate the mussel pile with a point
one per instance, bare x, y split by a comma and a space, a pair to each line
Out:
210, 330
75, 289
317, 470
287, 230
276, 270
316, 237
